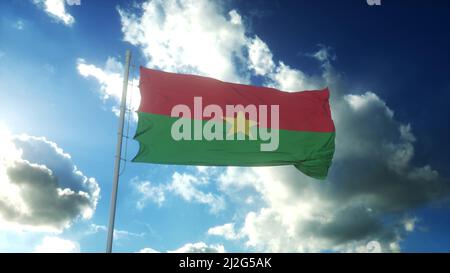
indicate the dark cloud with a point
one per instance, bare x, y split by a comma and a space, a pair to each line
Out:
51, 192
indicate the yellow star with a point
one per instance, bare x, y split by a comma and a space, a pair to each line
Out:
240, 124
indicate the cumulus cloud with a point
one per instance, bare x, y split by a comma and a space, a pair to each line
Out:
57, 9
375, 247
373, 175
324, 55
147, 192
41, 188
183, 185
118, 234
53, 244
148, 250
260, 57
281, 75
289, 79
227, 231
188, 36
110, 79
198, 247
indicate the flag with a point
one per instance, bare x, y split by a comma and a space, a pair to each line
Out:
195, 120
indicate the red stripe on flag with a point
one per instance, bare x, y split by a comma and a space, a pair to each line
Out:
299, 111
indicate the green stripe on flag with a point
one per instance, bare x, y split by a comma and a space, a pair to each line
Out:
310, 152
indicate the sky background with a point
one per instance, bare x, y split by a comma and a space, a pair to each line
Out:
388, 70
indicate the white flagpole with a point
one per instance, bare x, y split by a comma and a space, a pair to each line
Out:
123, 103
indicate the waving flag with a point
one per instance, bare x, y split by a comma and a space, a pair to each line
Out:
194, 120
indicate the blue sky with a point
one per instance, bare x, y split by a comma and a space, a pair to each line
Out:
387, 67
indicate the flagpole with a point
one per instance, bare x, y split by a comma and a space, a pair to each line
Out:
123, 103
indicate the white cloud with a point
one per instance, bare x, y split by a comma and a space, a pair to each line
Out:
110, 79
52, 244
358, 102
370, 247
324, 55
41, 188
260, 57
188, 36
227, 231
183, 185
410, 223
280, 75
148, 250
148, 192
289, 79
199, 247
118, 234
321, 55
205, 170
57, 9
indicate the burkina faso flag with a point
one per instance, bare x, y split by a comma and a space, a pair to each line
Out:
195, 120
